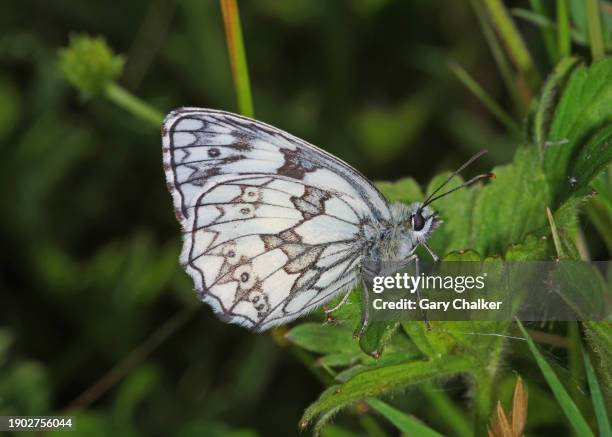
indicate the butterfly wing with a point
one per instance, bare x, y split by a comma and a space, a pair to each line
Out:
273, 226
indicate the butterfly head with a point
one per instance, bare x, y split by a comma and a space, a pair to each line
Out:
412, 226
422, 221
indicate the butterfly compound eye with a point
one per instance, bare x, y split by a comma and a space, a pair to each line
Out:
418, 222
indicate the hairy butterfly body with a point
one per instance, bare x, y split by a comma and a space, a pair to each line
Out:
273, 226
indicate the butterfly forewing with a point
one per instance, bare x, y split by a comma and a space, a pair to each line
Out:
273, 226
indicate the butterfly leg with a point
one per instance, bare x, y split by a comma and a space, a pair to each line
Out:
365, 310
418, 293
435, 257
328, 317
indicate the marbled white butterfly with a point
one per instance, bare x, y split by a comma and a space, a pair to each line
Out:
275, 227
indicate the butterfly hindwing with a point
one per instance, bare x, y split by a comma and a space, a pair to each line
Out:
274, 227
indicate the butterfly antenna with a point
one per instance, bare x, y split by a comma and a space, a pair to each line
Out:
431, 197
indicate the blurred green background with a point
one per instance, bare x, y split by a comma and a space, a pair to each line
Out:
90, 277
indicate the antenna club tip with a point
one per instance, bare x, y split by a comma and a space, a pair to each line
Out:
491, 175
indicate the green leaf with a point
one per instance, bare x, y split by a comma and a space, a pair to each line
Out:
449, 413
545, 105
583, 110
405, 190
324, 338
432, 346
403, 422
384, 380
339, 360
369, 364
590, 160
25, 389
511, 205
599, 338
598, 403
453, 234
533, 247
565, 401
377, 336
599, 207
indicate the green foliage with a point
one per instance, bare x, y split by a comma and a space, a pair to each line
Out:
506, 217
404, 423
599, 337
565, 401
598, 402
380, 381
24, 385
579, 130
90, 65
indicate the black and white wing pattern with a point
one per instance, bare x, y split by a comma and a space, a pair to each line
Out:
273, 227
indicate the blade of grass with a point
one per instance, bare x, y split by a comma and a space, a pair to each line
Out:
123, 98
575, 365
520, 102
513, 40
568, 406
555, 234
447, 411
596, 37
603, 422
403, 422
237, 55
539, 20
548, 35
371, 426
563, 29
512, 126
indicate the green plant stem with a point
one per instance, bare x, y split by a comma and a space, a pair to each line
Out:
123, 98
513, 39
447, 411
486, 100
237, 56
555, 234
133, 359
575, 364
596, 37
548, 35
500, 58
563, 30
541, 21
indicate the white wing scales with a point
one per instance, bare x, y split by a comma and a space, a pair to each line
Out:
273, 226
